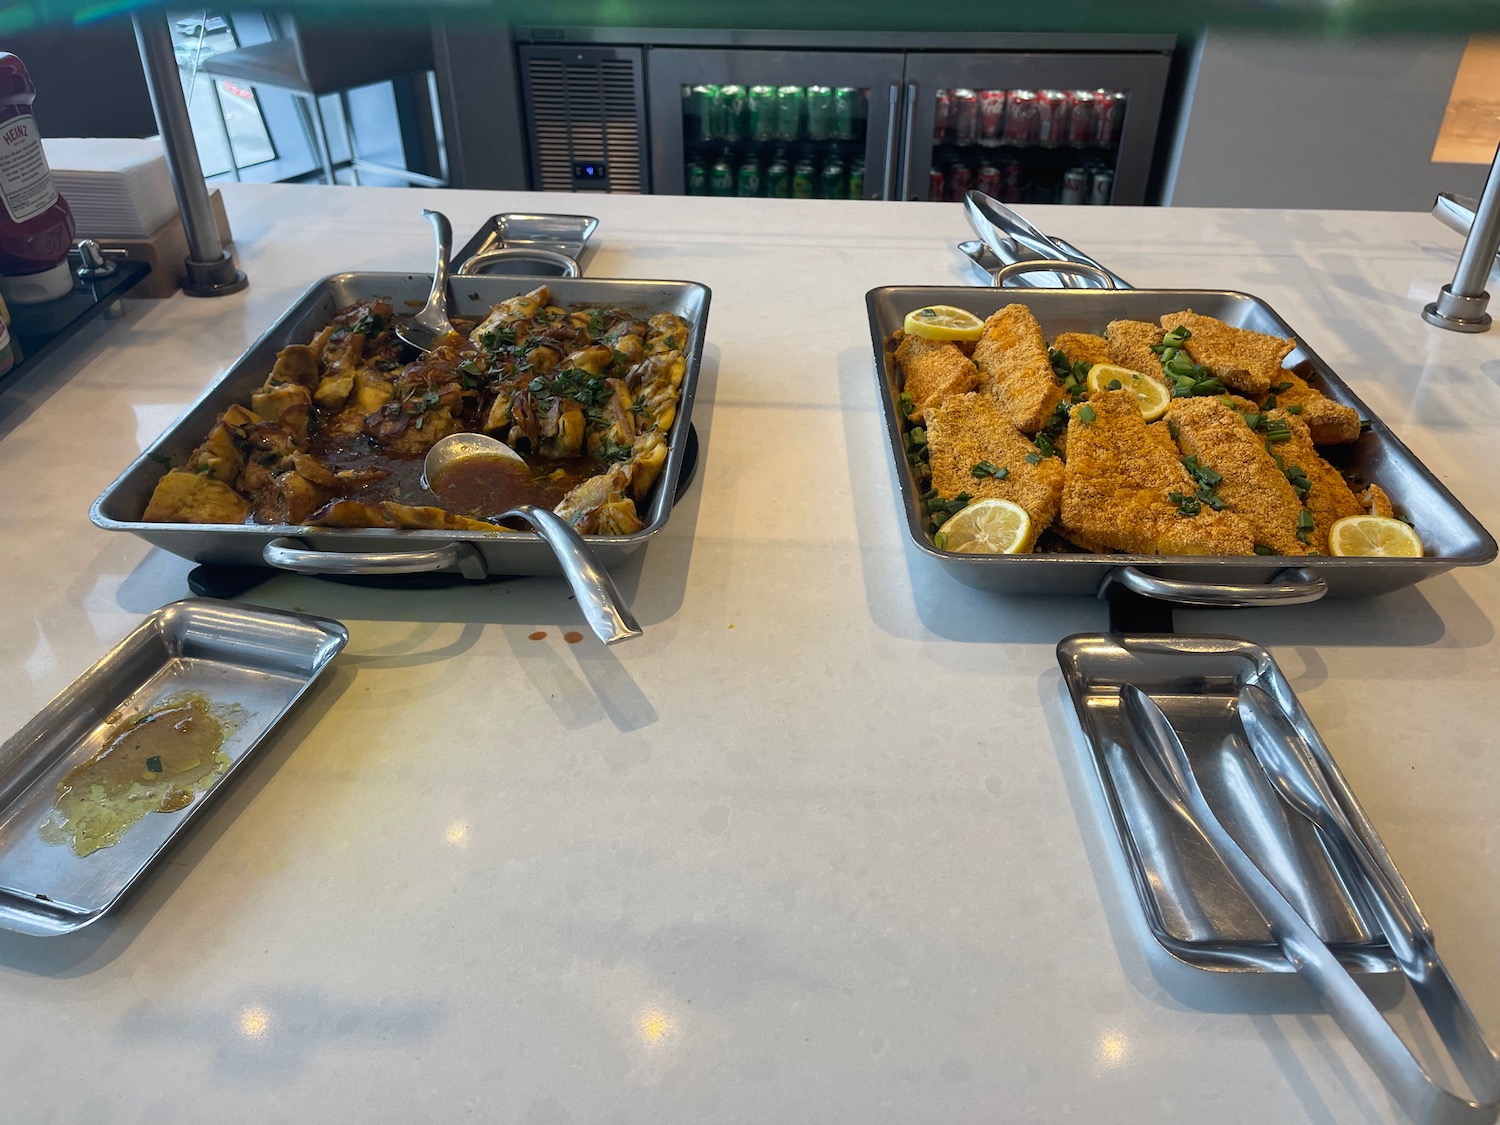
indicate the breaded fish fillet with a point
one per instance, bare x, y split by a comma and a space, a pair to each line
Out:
932, 369
1328, 495
1374, 500
965, 430
1249, 362
1130, 343
1014, 368
1253, 487
1328, 422
1117, 485
1083, 347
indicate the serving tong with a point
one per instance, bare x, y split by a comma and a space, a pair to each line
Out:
1009, 246
1293, 768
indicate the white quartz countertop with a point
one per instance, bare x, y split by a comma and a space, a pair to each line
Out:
825, 843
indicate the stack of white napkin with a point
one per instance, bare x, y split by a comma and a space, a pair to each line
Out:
117, 187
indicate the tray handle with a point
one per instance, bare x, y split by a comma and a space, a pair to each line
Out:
290, 554
1292, 586
1052, 265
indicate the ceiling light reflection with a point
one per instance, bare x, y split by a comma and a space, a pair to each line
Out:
655, 1025
1111, 1049
458, 834
255, 1022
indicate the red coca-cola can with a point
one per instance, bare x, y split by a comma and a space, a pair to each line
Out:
1021, 118
936, 185
1010, 181
960, 179
991, 117
942, 116
987, 179
1075, 186
1052, 108
1081, 118
965, 117
1109, 111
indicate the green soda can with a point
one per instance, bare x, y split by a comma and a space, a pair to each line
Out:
701, 115
762, 101
721, 177
732, 112
803, 176
789, 113
856, 178
697, 177
831, 179
779, 178
846, 101
819, 112
748, 182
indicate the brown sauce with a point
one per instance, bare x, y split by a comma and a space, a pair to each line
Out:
486, 486
157, 761
476, 486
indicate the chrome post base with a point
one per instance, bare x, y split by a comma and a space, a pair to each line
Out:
212, 279
1458, 313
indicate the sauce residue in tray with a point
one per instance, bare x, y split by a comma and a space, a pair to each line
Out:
153, 761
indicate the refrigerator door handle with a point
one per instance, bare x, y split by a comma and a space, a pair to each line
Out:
893, 120
910, 117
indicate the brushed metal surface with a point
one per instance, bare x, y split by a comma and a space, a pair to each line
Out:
1193, 906
261, 660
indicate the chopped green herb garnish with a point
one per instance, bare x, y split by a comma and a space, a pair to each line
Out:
1044, 446
1113, 385
503, 335
1293, 408
1281, 388
1262, 549
985, 469
153, 763
1033, 458
1086, 414
907, 406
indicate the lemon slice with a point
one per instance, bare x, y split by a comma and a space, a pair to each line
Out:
1153, 396
1361, 536
987, 527
943, 322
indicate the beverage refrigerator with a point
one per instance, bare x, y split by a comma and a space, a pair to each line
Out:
1029, 119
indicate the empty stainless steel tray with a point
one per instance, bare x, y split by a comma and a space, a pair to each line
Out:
1192, 905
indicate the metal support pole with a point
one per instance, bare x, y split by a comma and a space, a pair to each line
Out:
211, 270
1460, 306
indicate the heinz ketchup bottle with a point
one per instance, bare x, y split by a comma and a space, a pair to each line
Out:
36, 226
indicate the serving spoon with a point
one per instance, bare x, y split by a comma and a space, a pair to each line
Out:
428, 328
597, 596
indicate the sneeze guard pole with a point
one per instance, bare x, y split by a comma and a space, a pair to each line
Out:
211, 271
1460, 305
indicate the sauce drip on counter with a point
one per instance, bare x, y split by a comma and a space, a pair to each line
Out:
156, 761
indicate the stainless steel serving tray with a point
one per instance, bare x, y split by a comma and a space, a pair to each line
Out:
1192, 905
474, 554
519, 235
1451, 535
260, 660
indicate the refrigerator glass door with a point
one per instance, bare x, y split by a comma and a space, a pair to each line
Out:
1031, 128
752, 122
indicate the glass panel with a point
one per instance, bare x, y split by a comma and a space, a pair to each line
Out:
227, 120
1026, 146
805, 142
